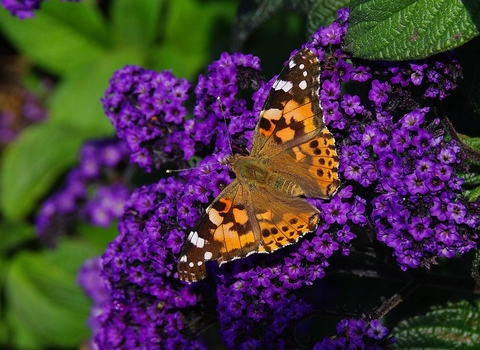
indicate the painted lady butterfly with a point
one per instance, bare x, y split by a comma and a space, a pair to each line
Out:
292, 157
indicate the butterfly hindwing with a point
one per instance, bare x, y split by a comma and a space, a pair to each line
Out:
279, 225
313, 165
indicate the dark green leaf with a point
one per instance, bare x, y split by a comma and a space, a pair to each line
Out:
472, 195
136, 23
473, 142
57, 38
250, 17
412, 29
32, 163
186, 47
42, 296
455, 326
13, 235
471, 179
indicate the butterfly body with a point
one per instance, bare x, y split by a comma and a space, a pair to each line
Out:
292, 157
257, 174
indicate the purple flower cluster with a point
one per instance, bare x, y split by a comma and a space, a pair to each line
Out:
256, 296
148, 307
357, 334
24, 8
399, 179
145, 107
423, 216
93, 191
417, 207
90, 280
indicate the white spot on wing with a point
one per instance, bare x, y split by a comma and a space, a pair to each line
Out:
207, 255
191, 264
302, 66
200, 263
291, 64
183, 258
305, 73
283, 85
302, 85
195, 240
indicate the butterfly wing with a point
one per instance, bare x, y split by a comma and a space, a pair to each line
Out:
225, 232
291, 132
282, 219
313, 165
292, 113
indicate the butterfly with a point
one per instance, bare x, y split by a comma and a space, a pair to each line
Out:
292, 157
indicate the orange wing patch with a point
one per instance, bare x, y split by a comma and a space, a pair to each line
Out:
280, 228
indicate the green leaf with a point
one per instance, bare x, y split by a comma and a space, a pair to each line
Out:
42, 296
98, 236
60, 37
473, 142
472, 195
471, 179
409, 29
76, 101
32, 163
455, 326
136, 22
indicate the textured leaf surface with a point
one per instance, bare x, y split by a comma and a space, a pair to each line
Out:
455, 326
409, 29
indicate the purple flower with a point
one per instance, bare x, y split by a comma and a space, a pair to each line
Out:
378, 93
25, 109
357, 334
351, 104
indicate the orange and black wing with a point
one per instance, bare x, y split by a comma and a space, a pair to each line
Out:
292, 113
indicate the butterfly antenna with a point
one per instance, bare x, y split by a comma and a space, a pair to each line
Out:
171, 171
193, 162
226, 126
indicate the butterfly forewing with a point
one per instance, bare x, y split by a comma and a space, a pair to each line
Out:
292, 111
